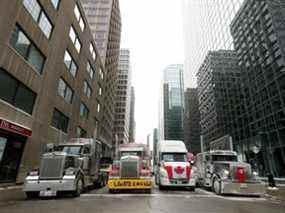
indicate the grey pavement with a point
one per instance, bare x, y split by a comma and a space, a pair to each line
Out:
171, 201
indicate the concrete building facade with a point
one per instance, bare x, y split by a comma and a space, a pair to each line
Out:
219, 94
258, 32
51, 81
171, 110
132, 129
104, 19
123, 98
192, 129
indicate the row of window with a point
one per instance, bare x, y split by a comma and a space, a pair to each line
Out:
16, 93
38, 14
61, 121
26, 48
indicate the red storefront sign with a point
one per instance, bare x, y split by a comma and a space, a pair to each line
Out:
11, 127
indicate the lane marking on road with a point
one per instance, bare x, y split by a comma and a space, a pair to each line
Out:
188, 196
234, 198
145, 195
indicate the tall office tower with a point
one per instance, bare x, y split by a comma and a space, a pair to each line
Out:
122, 107
172, 103
105, 22
50, 84
206, 28
154, 149
218, 93
132, 129
192, 130
258, 31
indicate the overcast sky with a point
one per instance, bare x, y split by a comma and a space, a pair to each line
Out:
152, 30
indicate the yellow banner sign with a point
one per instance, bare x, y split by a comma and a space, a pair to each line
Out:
130, 184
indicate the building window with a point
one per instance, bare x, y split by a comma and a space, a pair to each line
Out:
87, 89
80, 133
98, 107
90, 70
101, 73
55, 3
92, 51
79, 17
75, 39
36, 11
65, 91
70, 64
59, 120
84, 111
16, 93
27, 49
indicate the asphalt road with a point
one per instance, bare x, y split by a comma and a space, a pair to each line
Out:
171, 201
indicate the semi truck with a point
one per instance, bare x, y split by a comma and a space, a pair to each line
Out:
220, 170
131, 170
173, 168
68, 167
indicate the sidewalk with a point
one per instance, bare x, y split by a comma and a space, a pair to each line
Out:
278, 194
11, 193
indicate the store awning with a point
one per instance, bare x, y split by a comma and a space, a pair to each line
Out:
15, 128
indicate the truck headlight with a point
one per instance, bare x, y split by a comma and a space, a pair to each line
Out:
69, 172
34, 173
163, 173
226, 174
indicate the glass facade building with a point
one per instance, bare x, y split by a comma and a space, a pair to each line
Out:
172, 103
258, 31
206, 27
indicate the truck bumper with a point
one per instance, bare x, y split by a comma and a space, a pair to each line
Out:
164, 181
257, 188
49, 185
143, 183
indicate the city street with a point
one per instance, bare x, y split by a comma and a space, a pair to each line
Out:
159, 201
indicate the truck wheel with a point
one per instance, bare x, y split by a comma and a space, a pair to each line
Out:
192, 188
79, 188
161, 187
216, 186
32, 195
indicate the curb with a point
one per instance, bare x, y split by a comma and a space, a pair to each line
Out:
11, 193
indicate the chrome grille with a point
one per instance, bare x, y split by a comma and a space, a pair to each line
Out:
246, 167
52, 167
129, 169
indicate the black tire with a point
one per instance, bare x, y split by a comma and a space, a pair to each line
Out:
161, 187
192, 189
32, 195
156, 180
147, 191
216, 186
112, 191
79, 188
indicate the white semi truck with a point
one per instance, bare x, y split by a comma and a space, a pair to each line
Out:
70, 167
173, 168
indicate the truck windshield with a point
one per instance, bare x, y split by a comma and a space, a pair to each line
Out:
133, 153
174, 157
224, 158
72, 150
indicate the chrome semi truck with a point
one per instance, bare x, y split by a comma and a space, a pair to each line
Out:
67, 168
132, 169
221, 171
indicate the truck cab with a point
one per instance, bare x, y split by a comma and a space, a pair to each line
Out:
67, 167
173, 168
131, 169
221, 171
